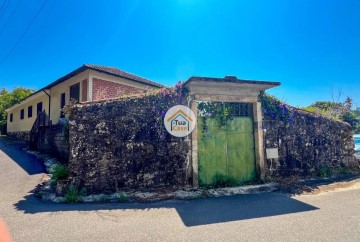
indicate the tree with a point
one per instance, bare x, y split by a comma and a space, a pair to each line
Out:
338, 110
356, 115
7, 99
356, 111
333, 109
351, 119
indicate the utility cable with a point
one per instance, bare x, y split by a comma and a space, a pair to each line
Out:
24, 33
12, 14
3, 7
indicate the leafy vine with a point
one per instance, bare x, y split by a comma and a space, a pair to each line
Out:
274, 108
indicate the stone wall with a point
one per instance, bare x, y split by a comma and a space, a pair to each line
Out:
53, 140
306, 142
24, 135
2, 129
122, 144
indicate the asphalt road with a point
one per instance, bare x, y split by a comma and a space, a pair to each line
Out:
333, 216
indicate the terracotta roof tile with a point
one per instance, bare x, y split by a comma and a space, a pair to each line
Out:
116, 72
104, 69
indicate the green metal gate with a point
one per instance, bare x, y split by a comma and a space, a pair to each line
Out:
226, 153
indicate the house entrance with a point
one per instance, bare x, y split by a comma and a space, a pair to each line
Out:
226, 148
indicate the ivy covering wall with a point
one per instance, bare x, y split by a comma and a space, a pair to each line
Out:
308, 143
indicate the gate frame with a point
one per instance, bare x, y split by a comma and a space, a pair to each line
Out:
229, 89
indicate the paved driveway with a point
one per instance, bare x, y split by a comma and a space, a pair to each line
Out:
264, 217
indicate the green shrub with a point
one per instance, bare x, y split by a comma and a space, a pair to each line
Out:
203, 184
325, 171
123, 198
103, 198
83, 192
72, 195
343, 171
60, 172
221, 180
314, 110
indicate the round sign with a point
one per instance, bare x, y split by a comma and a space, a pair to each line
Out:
180, 121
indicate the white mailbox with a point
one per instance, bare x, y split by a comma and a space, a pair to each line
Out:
272, 153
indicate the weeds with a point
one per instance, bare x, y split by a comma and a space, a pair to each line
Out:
72, 195
104, 198
325, 171
221, 180
59, 172
83, 192
343, 171
122, 198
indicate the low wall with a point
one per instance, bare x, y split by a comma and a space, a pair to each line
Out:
2, 129
53, 140
123, 144
306, 142
24, 135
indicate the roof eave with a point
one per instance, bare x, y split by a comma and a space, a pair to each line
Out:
31, 97
131, 79
233, 80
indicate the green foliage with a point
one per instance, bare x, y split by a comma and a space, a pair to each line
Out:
315, 110
221, 180
214, 110
59, 172
166, 93
275, 108
203, 184
72, 195
324, 171
343, 170
222, 112
122, 198
325, 105
338, 111
83, 192
356, 112
8, 99
352, 119
104, 198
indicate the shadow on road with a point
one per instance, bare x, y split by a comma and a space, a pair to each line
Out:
14, 149
194, 212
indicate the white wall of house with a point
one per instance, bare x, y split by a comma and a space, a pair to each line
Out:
25, 124
18, 125
64, 87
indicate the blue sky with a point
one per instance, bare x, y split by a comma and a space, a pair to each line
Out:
311, 47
